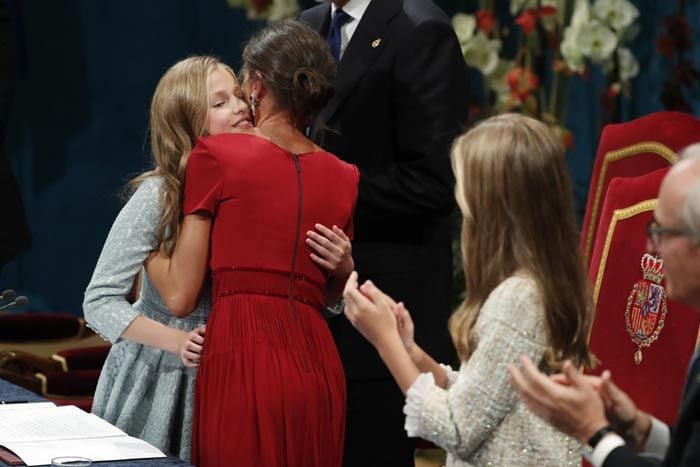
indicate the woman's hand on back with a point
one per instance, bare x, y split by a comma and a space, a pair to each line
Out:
331, 250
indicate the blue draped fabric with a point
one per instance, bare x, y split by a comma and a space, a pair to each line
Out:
78, 127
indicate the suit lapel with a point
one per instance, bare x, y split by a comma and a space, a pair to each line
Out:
319, 18
366, 44
687, 419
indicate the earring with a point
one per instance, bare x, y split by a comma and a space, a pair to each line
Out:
254, 103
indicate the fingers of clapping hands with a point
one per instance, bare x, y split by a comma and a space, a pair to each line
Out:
620, 409
531, 385
575, 408
355, 301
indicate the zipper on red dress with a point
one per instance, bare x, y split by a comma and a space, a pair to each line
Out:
292, 273
297, 233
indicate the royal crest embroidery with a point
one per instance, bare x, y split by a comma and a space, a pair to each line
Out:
646, 306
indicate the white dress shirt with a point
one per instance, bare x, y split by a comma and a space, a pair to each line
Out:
656, 445
355, 9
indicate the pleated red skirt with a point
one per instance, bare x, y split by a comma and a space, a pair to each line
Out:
270, 389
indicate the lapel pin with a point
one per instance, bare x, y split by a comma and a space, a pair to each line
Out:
375, 43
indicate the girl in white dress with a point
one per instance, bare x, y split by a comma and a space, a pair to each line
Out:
526, 294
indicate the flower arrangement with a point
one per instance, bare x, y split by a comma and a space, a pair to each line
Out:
270, 10
675, 44
555, 40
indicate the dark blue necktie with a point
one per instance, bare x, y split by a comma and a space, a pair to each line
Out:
333, 39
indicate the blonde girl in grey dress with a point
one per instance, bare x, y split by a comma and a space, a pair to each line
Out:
146, 387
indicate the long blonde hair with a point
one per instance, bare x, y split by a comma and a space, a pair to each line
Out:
514, 191
177, 118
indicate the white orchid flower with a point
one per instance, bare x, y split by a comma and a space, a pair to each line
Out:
497, 79
569, 47
596, 41
482, 53
516, 6
282, 9
464, 26
571, 52
618, 14
629, 66
581, 15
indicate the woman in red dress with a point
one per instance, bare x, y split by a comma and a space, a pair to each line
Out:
270, 388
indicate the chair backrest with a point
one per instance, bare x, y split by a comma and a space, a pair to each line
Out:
632, 149
82, 358
655, 382
22, 327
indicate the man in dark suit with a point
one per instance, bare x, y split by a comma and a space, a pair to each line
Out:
401, 98
593, 409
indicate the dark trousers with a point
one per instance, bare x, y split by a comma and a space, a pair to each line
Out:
374, 433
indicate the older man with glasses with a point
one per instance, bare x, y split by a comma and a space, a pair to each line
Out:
594, 410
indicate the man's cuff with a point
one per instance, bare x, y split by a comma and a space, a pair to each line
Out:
659, 438
603, 449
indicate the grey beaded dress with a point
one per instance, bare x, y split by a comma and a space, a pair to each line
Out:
146, 392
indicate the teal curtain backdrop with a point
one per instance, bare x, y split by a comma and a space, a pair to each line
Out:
78, 125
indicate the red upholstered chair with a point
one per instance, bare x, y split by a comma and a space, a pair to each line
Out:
74, 387
47, 377
16, 327
656, 381
85, 358
629, 150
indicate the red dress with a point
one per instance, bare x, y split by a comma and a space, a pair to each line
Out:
270, 389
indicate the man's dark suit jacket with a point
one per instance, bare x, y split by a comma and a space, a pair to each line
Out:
684, 450
401, 99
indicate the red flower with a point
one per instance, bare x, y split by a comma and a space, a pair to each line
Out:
522, 82
665, 46
485, 21
260, 5
568, 140
528, 18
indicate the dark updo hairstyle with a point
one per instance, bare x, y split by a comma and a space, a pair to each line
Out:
296, 66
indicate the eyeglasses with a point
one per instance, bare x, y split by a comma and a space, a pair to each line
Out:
655, 232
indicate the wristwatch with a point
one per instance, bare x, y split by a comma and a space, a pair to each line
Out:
595, 439
335, 310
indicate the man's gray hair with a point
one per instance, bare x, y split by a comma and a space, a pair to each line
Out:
690, 211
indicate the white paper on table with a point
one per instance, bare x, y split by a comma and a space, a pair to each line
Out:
53, 423
25, 406
37, 435
96, 449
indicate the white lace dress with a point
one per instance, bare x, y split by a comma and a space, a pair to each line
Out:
479, 419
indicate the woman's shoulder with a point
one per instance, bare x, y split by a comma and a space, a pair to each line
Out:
148, 191
154, 183
340, 165
519, 289
516, 302
225, 142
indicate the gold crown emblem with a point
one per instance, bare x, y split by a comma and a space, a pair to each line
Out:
652, 268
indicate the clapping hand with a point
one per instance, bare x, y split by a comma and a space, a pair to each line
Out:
369, 310
404, 324
576, 409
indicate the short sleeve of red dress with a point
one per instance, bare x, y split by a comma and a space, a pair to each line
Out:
349, 228
203, 182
